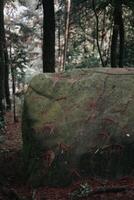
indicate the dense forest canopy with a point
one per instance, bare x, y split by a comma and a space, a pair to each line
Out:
58, 35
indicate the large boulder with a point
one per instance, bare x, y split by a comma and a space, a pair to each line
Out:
77, 123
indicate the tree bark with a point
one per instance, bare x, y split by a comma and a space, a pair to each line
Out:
13, 84
2, 60
121, 47
59, 43
97, 34
7, 92
48, 36
118, 33
67, 20
103, 28
114, 46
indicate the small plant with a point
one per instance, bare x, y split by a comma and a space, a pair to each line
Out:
82, 191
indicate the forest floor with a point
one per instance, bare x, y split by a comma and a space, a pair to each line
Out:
12, 185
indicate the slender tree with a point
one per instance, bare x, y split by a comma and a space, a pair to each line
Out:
48, 36
97, 33
59, 40
2, 60
66, 35
118, 33
7, 91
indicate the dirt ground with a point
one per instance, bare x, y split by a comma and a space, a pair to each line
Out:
12, 186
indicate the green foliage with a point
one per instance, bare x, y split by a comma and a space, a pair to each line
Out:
85, 20
128, 54
129, 38
20, 61
89, 62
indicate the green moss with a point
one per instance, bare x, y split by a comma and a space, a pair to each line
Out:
82, 110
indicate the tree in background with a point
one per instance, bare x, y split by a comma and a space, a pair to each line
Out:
7, 87
2, 63
48, 36
118, 32
86, 33
97, 33
48, 47
4, 69
82, 35
18, 34
66, 34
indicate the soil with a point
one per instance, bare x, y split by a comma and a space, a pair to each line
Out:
13, 186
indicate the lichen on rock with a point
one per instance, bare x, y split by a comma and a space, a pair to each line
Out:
84, 118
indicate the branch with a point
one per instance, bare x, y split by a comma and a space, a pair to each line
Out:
109, 190
100, 190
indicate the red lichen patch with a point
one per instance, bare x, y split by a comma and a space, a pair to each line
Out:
92, 104
64, 147
108, 120
47, 129
48, 158
103, 134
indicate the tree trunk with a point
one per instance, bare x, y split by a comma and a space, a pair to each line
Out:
13, 84
97, 33
59, 43
103, 28
48, 36
121, 47
114, 46
67, 20
2, 60
7, 92
118, 32
14, 90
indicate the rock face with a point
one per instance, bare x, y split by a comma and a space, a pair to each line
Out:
79, 122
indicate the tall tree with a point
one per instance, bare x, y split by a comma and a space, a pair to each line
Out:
2, 60
66, 35
7, 91
97, 33
118, 32
48, 36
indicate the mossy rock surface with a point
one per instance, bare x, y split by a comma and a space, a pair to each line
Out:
83, 119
